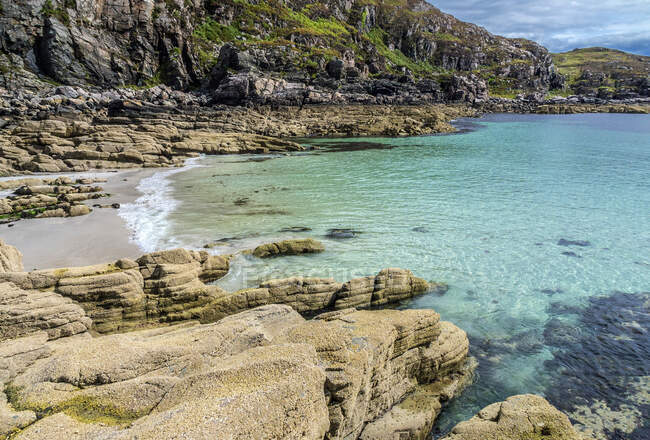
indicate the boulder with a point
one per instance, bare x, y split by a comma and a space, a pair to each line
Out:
78, 210
518, 417
289, 247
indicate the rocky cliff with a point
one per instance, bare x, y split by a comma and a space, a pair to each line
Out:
267, 51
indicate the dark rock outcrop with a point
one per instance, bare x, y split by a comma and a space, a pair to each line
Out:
266, 51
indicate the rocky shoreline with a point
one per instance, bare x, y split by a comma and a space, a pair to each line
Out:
74, 130
147, 349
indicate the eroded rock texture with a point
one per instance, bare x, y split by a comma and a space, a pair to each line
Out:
266, 372
267, 51
23, 313
160, 287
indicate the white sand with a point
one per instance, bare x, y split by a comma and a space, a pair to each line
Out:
100, 237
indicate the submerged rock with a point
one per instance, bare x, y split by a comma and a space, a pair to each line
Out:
581, 243
296, 229
342, 233
519, 417
611, 333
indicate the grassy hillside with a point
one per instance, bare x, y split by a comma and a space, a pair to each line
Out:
596, 68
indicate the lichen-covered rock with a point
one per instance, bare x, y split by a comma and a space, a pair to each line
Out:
289, 247
374, 360
524, 417
23, 313
11, 260
263, 373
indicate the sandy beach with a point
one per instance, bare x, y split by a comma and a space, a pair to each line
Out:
100, 237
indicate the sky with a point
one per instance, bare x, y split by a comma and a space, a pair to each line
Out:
561, 25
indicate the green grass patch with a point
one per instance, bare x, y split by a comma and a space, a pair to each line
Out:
443, 36
215, 32
58, 12
329, 27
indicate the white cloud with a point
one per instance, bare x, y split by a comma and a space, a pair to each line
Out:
562, 25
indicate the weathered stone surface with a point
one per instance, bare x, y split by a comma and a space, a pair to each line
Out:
519, 417
11, 260
160, 287
23, 313
266, 372
373, 360
289, 247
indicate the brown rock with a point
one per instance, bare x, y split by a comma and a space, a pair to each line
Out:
289, 247
11, 260
23, 313
519, 417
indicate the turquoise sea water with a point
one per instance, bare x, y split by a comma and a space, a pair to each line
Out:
539, 224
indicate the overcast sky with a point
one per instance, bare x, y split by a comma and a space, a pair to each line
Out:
561, 25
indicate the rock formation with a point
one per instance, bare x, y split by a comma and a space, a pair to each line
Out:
160, 287
265, 372
605, 73
71, 145
312, 295
266, 51
519, 417
23, 313
60, 197
169, 286
259, 365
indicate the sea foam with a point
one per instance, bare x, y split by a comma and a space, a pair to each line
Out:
147, 216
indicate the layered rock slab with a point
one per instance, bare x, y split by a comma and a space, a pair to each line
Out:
159, 288
289, 247
311, 294
263, 373
23, 313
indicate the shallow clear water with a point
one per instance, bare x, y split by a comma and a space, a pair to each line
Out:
483, 211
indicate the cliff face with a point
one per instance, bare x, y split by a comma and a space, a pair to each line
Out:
268, 51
